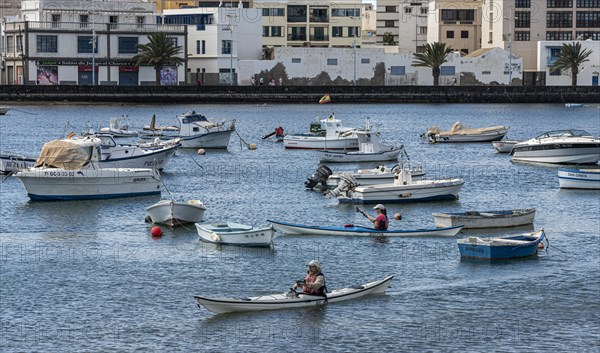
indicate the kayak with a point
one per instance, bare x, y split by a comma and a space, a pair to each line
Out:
291, 299
352, 230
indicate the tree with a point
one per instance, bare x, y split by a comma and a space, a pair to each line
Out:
160, 51
388, 38
571, 57
433, 56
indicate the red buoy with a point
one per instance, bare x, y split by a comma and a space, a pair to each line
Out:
156, 231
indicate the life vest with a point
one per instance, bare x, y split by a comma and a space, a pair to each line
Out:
279, 131
384, 226
311, 279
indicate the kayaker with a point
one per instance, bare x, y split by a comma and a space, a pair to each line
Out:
381, 221
314, 282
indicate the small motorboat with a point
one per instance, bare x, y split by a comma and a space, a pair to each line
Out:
352, 230
579, 178
4, 110
378, 175
504, 146
117, 128
573, 105
157, 128
559, 146
329, 134
151, 155
230, 233
13, 163
174, 213
501, 248
461, 133
403, 189
292, 299
487, 219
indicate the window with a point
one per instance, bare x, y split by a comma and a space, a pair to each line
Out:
332, 62
521, 36
198, 47
318, 14
424, 10
265, 31
128, 45
559, 4
593, 35
458, 15
486, 72
408, 9
397, 70
113, 20
353, 31
297, 33
140, 20
172, 40
522, 4
273, 12
449, 34
447, 70
365, 61
388, 24
19, 43
276, 31
296, 13
551, 35
559, 19
47, 44
337, 31
554, 72
389, 9
522, 19
225, 47
10, 43
296, 60
55, 20
345, 12
84, 44
588, 19
203, 47
422, 30
464, 34
83, 21
588, 4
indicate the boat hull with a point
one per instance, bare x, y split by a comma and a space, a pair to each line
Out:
486, 137
487, 219
235, 234
48, 184
118, 133
355, 157
212, 140
155, 159
579, 179
499, 248
419, 191
290, 228
12, 164
319, 143
363, 179
561, 153
503, 146
282, 301
176, 213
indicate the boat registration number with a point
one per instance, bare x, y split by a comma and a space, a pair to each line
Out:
59, 174
137, 180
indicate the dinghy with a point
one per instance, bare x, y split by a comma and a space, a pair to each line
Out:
501, 248
235, 234
487, 219
173, 213
291, 299
579, 178
352, 230
504, 146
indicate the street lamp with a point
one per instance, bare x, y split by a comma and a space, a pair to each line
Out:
231, 17
510, 48
354, 47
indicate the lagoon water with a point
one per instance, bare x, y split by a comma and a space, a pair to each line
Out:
87, 275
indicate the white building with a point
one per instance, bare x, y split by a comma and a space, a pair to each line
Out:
50, 42
217, 38
406, 20
375, 66
549, 52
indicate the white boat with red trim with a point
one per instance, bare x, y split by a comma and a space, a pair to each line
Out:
291, 300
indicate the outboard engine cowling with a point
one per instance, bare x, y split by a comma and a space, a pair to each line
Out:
320, 176
346, 183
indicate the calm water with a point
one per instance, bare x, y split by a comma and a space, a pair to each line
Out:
87, 276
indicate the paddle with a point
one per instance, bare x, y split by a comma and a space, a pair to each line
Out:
362, 212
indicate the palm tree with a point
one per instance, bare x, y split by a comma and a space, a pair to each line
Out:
160, 51
434, 56
571, 57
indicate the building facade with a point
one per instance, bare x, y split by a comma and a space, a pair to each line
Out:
456, 23
71, 42
406, 21
162, 5
549, 52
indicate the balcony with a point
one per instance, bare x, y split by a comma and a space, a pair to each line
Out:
297, 37
319, 38
87, 26
319, 19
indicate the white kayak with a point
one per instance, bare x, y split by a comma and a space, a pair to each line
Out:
291, 300
352, 230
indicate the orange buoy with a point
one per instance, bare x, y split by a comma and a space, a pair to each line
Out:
156, 231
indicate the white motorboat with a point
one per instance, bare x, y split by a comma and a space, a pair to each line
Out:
378, 175
4, 110
504, 146
69, 170
579, 178
461, 133
328, 135
559, 146
230, 233
291, 299
485, 219
403, 189
173, 213
117, 128
13, 163
154, 155
197, 132
369, 150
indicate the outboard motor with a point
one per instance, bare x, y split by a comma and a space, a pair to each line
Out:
346, 183
320, 176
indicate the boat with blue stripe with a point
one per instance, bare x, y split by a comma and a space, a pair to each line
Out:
501, 248
579, 178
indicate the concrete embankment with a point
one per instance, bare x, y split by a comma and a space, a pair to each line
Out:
299, 94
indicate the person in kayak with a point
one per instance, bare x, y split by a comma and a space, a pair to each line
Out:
381, 222
314, 282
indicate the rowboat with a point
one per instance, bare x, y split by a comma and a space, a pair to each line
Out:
230, 233
173, 213
352, 230
501, 248
461, 133
579, 178
291, 300
504, 146
487, 219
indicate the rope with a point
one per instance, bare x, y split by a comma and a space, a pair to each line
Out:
241, 139
23, 111
554, 247
195, 161
6, 177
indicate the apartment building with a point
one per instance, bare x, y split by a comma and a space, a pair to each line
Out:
406, 22
183, 4
548, 53
456, 23
518, 25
